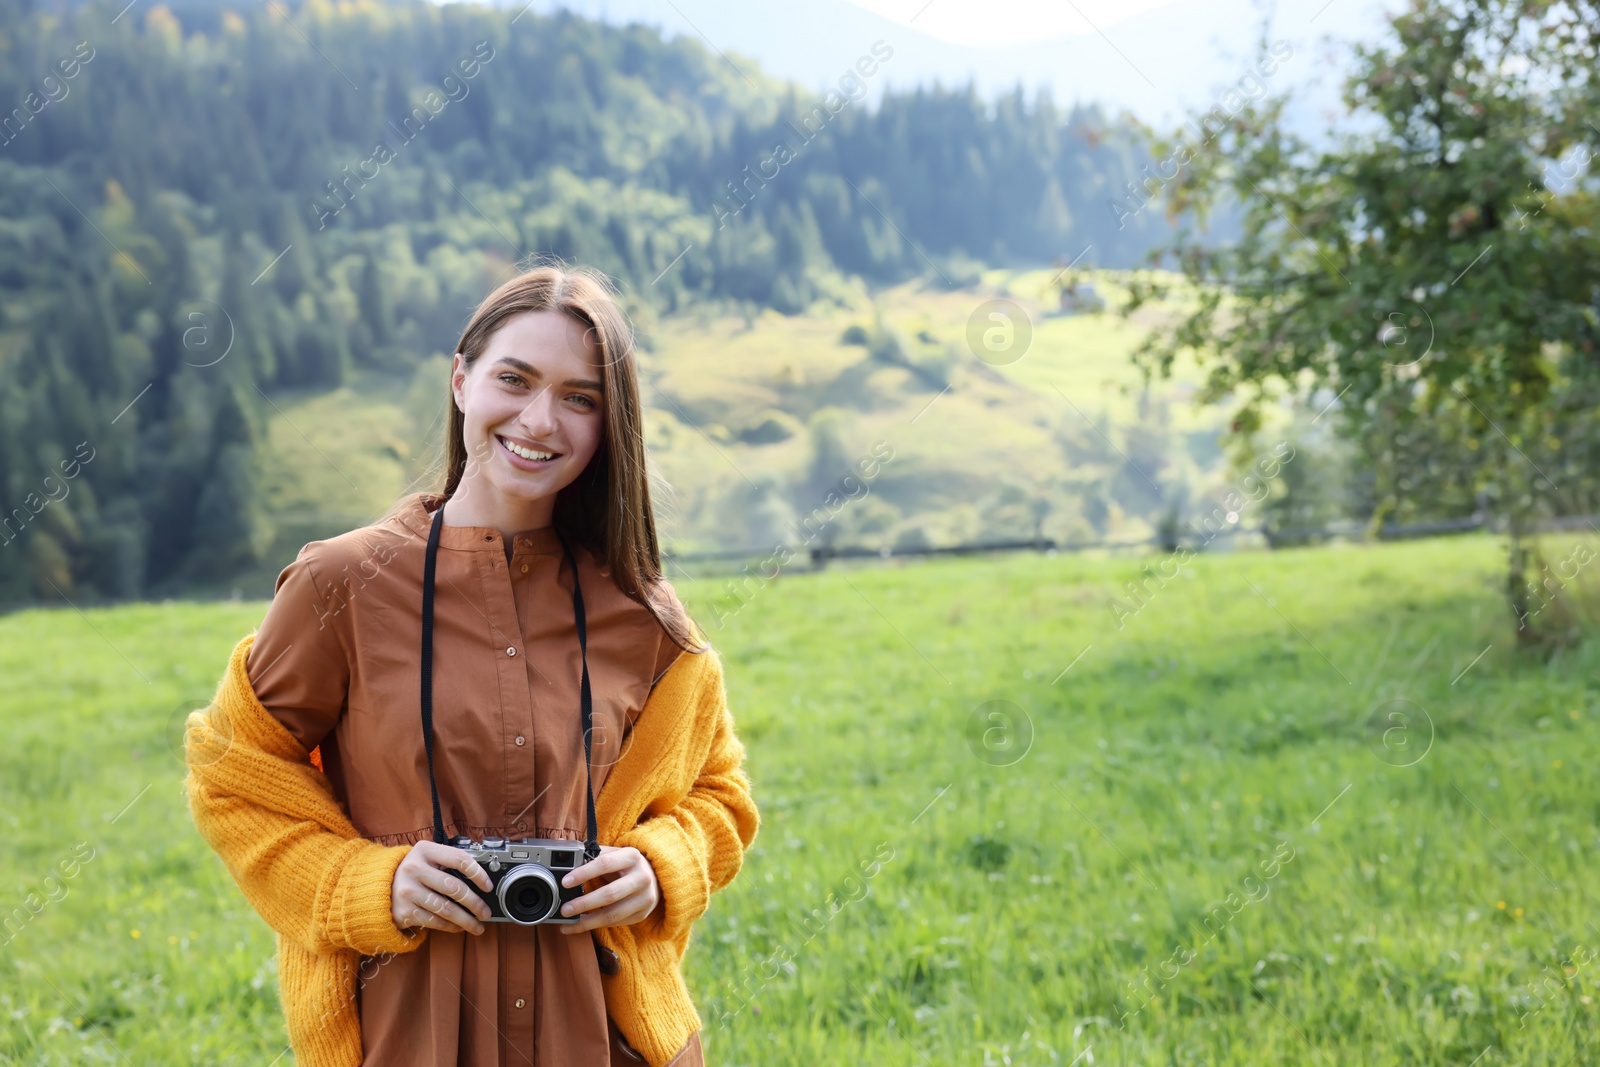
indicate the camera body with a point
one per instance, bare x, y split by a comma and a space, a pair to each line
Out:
526, 874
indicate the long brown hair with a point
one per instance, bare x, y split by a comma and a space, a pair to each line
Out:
607, 507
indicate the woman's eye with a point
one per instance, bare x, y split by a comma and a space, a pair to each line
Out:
511, 379
586, 399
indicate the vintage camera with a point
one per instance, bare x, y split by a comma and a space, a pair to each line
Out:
526, 874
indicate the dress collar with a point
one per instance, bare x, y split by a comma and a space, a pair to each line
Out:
417, 516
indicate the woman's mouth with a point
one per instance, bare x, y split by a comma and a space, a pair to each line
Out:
526, 458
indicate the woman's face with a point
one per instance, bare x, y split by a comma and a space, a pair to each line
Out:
533, 406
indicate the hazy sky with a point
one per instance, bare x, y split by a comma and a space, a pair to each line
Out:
1159, 59
1001, 22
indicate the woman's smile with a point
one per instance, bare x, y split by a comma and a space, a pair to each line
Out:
525, 456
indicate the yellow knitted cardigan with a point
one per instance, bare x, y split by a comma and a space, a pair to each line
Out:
678, 794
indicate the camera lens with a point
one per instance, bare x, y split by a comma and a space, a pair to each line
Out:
528, 894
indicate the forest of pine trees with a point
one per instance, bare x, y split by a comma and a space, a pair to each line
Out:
202, 204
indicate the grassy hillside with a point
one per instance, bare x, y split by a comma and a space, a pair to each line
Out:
1431, 888
741, 409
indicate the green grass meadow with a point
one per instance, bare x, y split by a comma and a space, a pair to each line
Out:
1082, 879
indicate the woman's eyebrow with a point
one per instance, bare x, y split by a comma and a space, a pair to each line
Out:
533, 372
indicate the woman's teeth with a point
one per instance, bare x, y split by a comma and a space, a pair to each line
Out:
525, 453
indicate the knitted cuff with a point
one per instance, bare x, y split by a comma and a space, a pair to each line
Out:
362, 911
685, 884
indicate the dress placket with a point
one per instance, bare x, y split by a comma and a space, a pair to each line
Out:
518, 947
516, 677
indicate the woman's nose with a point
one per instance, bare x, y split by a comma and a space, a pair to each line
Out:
538, 415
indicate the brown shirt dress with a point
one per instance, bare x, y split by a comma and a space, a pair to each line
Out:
336, 661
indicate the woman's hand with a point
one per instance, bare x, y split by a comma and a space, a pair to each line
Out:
424, 893
632, 895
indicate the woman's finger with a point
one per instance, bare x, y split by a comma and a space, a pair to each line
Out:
621, 913
629, 884
448, 856
446, 909
414, 916
446, 883
610, 859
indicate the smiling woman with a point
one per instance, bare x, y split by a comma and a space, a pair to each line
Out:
551, 703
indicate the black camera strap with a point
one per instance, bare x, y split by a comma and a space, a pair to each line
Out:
591, 845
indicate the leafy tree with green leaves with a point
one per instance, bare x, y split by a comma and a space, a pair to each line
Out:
1429, 275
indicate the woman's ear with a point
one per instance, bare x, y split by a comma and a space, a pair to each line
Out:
458, 375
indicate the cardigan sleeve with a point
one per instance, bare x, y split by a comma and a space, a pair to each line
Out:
273, 819
697, 846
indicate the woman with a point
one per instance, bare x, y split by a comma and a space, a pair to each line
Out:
473, 726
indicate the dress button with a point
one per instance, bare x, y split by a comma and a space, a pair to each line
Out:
519, 739
511, 650
520, 1002
524, 568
